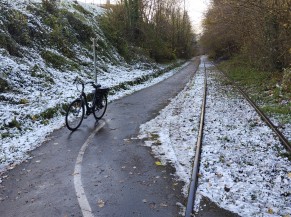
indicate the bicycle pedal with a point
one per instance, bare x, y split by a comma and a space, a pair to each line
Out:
86, 116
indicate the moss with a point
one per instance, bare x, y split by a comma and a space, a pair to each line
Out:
44, 122
49, 113
14, 123
64, 107
59, 62
3, 85
37, 73
23, 101
5, 135
55, 60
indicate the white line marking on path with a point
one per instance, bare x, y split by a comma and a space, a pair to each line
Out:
80, 192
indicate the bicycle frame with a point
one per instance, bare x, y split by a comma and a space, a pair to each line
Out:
83, 98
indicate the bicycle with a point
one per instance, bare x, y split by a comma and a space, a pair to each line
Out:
76, 110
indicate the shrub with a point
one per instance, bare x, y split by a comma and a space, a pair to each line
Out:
84, 32
113, 27
49, 5
59, 62
61, 37
18, 27
10, 45
161, 52
56, 60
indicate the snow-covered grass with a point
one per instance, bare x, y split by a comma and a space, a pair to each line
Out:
242, 169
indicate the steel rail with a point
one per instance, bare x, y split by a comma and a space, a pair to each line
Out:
196, 163
282, 138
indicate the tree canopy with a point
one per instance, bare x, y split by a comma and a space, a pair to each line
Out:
259, 30
161, 27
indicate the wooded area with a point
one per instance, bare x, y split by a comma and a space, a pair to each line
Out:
258, 30
161, 27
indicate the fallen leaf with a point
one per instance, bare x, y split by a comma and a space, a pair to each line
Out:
227, 189
289, 175
219, 175
134, 138
152, 205
158, 163
270, 211
163, 205
38, 161
144, 200
101, 203
12, 166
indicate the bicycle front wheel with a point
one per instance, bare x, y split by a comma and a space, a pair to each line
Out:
100, 107
75, 114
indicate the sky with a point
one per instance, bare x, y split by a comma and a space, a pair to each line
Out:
196, 8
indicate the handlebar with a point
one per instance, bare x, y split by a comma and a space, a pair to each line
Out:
78, 80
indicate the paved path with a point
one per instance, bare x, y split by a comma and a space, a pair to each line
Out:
112, 173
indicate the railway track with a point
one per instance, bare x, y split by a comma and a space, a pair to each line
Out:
281, 137
196, 163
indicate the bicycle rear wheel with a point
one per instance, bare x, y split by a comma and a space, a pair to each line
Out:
100, 107
75, 114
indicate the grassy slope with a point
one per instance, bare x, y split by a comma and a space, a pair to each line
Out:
263, 87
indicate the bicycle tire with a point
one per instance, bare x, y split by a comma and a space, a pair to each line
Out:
100, 108
75, 114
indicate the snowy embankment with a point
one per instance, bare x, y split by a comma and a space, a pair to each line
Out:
241, 166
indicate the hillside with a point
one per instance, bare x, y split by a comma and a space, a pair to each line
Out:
42, 49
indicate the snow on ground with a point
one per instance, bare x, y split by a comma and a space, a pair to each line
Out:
172, 134
241, 166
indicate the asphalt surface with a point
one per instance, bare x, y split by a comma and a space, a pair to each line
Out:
119, 175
